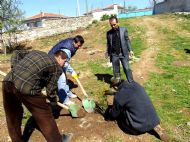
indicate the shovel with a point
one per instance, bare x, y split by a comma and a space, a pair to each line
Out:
72, 108
87, 103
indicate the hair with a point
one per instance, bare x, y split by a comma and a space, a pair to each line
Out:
62, 54
113, 18
79, 38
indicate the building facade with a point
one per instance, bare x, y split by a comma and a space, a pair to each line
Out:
172, 6
38, 19
114, 9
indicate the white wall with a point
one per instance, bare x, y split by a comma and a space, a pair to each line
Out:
98, 15
53, 27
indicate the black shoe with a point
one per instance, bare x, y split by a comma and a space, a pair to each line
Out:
67, 138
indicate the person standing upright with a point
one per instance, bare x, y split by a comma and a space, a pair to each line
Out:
119, 49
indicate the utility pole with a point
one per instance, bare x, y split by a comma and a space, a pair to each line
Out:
78, 8
86, 6
124, 7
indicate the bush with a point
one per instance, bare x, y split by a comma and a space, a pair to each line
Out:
94, 21
106, 17
16, 46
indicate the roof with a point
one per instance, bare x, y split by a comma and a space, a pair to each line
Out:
112, 6
44, 15
102, 9
95, 10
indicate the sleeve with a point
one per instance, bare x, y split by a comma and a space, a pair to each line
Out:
17, 56
108, 44
51, 88
113, 112
67, 67
127, 40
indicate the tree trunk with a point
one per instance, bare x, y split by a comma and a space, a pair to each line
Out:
1, 40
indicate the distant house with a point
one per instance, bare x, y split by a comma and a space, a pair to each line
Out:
37, 20
112, 9
172, 6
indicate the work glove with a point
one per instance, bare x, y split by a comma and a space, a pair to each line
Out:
74, 75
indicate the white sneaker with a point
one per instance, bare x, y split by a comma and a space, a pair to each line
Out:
71, 95
68, 102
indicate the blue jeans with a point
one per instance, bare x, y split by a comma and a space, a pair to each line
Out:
125, 63
63, 88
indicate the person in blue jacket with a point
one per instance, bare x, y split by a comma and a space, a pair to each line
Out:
70, 46
133, 110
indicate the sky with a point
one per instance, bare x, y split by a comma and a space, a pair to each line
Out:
69, 7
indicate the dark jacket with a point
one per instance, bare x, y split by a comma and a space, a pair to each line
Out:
132, 102
34, 70
64, 44
125, 42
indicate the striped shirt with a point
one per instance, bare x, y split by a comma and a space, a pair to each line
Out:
32, 71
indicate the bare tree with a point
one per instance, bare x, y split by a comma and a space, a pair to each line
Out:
10, 18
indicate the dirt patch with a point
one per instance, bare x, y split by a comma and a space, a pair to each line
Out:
146, 64
92, 127
87, 54
181, 63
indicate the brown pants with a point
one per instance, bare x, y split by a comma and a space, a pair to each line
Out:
41, 111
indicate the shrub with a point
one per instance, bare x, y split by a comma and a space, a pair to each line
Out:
106, 17
94, 21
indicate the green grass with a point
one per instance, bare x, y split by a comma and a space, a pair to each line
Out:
180, 43
4, 57
98, 81
137, 32
170, 90
185, 21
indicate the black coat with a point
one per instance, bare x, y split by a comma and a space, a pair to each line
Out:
132, 103
125, 42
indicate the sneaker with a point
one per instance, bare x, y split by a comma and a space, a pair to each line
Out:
67, 138
71, 95
68, 102
161, 133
